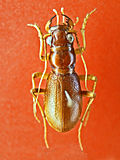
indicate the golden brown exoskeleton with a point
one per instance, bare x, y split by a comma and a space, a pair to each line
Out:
63, 94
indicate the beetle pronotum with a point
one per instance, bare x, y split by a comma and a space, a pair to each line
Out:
63, 93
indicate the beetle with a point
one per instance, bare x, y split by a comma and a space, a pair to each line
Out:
63, 94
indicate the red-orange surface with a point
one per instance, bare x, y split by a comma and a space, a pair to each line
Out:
21, 137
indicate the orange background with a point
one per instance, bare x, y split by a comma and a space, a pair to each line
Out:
21, 137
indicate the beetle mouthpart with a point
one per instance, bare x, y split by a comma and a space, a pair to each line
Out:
47, 27
69, 22
48, 24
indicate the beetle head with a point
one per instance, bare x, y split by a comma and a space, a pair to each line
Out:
60, 36
60, 32
68, 25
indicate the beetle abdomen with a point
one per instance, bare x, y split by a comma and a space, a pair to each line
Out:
63, 101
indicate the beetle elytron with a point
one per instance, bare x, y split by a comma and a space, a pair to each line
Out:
63, 93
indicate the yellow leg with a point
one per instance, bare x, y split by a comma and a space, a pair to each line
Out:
42, 39
80, 50
44, 120
92, 95
41, 76
42, 58
35, 92
36, 75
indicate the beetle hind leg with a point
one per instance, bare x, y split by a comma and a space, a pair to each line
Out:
83, 120
44, 119
35, 93
91, 95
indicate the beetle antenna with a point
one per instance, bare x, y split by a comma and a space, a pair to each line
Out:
82, 61
44, 69
77, 20
48, 24
54, 10
62, 11
85, 20
85, 71
69, 22
44, 120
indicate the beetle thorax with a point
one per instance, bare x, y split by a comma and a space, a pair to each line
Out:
62, 56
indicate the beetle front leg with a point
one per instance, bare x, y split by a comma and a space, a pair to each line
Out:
42, 40
91, 95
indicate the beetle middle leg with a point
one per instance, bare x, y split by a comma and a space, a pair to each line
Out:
35, 92
36, 75
91, 95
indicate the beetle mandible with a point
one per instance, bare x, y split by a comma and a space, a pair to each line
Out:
63, 93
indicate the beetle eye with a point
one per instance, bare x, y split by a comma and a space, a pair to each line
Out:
49, 40
70, 38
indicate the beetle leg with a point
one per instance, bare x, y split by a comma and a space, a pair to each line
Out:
82, 120
79, 51
35, 92
91, 95
43, 58
90, 77
36, 75
42, 38
43, 74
